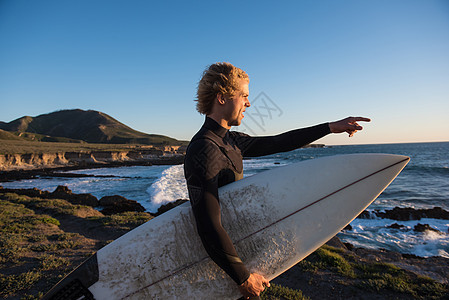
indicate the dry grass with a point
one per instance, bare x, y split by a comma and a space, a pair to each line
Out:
43, 239
34, 147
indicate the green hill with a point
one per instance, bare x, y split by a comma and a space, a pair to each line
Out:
6, 135
36, 137
79, 125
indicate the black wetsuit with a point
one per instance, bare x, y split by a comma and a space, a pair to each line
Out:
213, 159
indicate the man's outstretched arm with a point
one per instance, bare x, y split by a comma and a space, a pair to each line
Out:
294, 139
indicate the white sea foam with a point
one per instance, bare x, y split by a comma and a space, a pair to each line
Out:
375, 233
171, 184
432, 244
254, 166
170, 187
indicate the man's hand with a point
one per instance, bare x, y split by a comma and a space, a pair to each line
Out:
348, 125
253, 286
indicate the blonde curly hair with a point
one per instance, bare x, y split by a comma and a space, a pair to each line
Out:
219, 78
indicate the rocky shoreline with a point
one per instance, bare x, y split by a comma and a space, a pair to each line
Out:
407, 213
138, 155
118, 204
86, 223
58, 170
105, 219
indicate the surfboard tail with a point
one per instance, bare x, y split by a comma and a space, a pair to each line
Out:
75, 285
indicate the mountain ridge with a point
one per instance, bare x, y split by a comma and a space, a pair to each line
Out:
84, 126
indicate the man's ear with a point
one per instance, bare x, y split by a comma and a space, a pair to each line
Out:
221, 99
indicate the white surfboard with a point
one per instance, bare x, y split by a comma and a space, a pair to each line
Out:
275, 218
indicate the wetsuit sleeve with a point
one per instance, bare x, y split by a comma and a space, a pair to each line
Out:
290, 140
202, 165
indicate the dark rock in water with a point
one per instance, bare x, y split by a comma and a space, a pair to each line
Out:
400, 214
407, 213
348, 227
63, 192
73, 175
169, 206
424, 227
437, 213
118, 204
367, 215
396, 226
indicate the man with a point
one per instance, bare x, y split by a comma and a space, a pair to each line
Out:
214, 158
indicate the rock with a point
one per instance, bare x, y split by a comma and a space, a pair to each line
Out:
118, 204
349, 246
111, 200
63, 192
400, 214
84, 199
396, 226
424, 227
367, 215
407, 255
407, 213
169, 206
437, 213
336, 243
34, 192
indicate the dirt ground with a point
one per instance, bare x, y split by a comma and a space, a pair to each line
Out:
44, 239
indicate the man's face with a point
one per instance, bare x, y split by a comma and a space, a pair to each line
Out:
236, 105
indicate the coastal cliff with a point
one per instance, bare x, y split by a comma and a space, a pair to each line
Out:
28, 161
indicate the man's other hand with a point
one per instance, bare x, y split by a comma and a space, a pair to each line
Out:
254, 285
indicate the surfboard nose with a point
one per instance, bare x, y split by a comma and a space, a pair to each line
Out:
405, 160
388, 165
401, 162
379, 161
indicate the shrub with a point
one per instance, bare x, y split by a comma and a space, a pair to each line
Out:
11, 284
275, 292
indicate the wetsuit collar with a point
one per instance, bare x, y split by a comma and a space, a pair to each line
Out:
216, 128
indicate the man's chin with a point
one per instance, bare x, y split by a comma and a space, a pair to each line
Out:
236, 122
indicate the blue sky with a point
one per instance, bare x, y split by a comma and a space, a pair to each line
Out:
309, 62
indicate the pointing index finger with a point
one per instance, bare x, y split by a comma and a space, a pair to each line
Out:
362, 119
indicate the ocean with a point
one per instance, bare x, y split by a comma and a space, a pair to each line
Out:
424, 183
